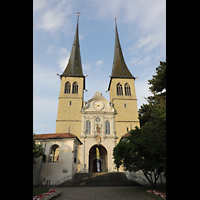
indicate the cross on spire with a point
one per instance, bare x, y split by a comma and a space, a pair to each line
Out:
78, 13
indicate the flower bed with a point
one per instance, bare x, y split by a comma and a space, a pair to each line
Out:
50, 194
157, 193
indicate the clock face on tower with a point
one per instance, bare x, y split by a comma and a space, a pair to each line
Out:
98, 105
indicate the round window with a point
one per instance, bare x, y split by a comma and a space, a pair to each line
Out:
98, 119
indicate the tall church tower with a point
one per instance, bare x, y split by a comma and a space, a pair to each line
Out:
122, 92
71, 92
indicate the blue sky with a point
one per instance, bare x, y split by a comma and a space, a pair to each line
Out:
142, 33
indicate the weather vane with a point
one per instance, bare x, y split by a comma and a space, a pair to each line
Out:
78, 13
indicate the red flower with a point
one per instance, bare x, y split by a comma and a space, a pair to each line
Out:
51, 191
157, 193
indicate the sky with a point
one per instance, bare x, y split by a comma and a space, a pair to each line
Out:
142, 33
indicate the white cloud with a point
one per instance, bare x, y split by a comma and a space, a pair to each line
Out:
44, 80
144, 21
81, 37
86, 66
50, 49
99, 62
39, 4
63, 63
142, 90
44, 109
146, 40
63, 51
53, 17
52, 20
64, 55
45, 98
144, 12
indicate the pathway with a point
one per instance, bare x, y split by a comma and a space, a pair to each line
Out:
102, 193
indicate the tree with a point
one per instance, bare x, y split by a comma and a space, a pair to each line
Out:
158, 88
145, 148
38, 151
153, 115
158, 81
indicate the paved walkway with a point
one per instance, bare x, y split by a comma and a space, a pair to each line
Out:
102, 193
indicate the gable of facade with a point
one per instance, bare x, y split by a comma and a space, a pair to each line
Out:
98, 117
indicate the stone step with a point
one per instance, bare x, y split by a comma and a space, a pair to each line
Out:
99, 180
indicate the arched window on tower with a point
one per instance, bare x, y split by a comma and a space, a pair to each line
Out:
119, 89
75, 88
107, 127
88, 127
67, 87
127, 89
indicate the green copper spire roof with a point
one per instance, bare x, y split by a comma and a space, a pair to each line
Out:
119, 69
74, 66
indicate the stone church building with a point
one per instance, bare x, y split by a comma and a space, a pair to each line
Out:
87, 131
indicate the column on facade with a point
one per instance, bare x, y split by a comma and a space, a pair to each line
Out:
92, 125
113, 125
103, 125
83, 126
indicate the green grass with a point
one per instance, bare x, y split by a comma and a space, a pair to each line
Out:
159, 187
39, 190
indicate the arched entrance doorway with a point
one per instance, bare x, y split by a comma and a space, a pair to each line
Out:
98, 159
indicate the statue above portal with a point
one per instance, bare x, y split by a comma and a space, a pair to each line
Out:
97, 95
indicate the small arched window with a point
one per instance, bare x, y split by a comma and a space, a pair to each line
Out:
88, 127
67, 87
119, 89
127, 89
75, 88
107, 127
54, 153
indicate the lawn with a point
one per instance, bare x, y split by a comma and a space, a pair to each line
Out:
159, 187
40, 190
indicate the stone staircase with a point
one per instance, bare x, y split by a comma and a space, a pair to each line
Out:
101, 179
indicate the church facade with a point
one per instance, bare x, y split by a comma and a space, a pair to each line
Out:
96, 125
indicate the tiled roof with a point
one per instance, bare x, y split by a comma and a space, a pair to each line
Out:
55, 136
126, 135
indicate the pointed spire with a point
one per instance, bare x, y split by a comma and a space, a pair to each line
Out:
74, 66
119, 69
